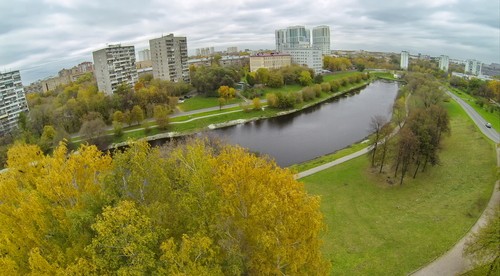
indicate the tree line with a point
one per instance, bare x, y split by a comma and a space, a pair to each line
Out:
418, 141
80, 107
197, 208
284, 101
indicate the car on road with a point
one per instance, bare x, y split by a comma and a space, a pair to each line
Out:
488, 125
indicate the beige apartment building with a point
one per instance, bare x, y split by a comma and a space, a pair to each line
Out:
269, 61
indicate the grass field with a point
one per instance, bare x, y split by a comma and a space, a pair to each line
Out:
374, 228
492, 117
199, 102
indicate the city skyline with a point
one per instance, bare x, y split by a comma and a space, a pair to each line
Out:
40, 38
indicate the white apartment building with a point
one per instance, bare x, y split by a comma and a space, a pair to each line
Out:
12, 100
144, 55
404, 60
321, 39
473, 67
444, 63
269, 61
169, 55
311, 57
113, 66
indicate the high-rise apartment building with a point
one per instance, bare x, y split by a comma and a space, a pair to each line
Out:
444, 62
404, 60
144, 55
280, 36
12, 100
473, 67
298, 36
113, 66
169, 55
321, 39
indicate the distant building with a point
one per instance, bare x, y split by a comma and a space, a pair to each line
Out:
473, 67
310, 57
12, 100
169, 55
225, 61
113, 66
444, 62
321, 39
66, 76
404, 60
144, 55
232, 50
205, 52
269, 61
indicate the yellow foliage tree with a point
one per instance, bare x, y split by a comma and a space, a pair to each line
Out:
201, 208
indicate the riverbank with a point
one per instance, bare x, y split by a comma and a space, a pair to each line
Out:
201, 122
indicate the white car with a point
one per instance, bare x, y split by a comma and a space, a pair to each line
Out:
488, 125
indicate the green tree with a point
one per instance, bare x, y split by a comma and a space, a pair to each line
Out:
275, 79
305, 78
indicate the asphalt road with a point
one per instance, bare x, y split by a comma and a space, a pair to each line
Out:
491, 133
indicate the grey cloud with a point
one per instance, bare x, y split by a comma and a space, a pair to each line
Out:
42, 37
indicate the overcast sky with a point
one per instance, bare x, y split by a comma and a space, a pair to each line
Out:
41, 37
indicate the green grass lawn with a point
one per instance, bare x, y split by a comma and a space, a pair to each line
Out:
199, 102
374, 228
492, 117
338, 75
328, 158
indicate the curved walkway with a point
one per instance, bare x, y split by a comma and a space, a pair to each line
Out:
452, 262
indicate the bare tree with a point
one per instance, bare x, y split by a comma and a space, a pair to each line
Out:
376, 124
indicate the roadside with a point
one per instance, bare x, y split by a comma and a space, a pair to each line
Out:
453, 261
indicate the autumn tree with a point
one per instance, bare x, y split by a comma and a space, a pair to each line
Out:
161, 116
137, 114
256, 104
48, 138
226, 93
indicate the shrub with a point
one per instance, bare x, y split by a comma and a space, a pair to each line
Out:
317, 90
326, 87
308, 94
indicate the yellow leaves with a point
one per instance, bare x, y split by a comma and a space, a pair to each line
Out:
197, 209
277, 222
39, 265
194, 256
124, 241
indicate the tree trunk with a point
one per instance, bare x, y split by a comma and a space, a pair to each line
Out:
416, 169
383, 158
